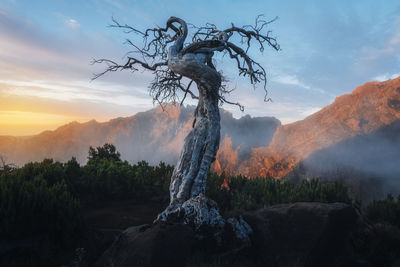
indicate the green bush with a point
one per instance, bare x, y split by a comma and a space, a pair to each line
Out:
242, 193
33, 202
386, 210
105, 176
42, 197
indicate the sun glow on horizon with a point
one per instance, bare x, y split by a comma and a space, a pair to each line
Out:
22, 123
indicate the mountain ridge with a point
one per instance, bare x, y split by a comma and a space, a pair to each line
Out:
252, 146
365, 110
154, 135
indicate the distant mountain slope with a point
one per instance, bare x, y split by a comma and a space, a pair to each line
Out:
370, 163
249, 146
368, 108
154, 136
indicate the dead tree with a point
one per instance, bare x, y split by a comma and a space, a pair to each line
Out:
6, 167
177, 65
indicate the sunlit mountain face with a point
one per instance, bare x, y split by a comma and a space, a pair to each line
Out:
363, 112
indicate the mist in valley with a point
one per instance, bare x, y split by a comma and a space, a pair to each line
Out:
370, 163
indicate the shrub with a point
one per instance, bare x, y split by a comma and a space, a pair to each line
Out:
242, 193
386, 210
34, 203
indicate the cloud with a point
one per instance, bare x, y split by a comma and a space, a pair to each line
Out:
27, 48
380, 58
76, 90
71, 23
386, 76
39, 64
291, 80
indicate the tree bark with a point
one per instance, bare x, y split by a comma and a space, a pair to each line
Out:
188, 203
199, 149
201, 144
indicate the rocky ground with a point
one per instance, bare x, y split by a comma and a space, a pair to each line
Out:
299, 234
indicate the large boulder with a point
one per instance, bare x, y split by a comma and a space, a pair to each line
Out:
302, 234
290, 235
156, 245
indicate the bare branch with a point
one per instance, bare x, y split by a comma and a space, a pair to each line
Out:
158, 42
6, 167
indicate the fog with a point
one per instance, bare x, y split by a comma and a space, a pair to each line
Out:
369, 163
157, 136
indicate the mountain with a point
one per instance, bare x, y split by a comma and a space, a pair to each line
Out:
362, 113
358, 132
155, 135
368, 164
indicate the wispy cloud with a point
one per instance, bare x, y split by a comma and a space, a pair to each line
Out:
291, 80
33, 63
386, 76
72, 23
380, 59
75, 90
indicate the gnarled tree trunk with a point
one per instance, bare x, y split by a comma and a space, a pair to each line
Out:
188, 203
201, 144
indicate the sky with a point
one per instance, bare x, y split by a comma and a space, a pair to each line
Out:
327, 49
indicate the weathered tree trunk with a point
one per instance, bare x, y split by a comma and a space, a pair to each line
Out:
201, 145
199, 150
188, 202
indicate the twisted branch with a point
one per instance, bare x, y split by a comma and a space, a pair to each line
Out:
159, 42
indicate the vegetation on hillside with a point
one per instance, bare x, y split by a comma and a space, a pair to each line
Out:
43, 198
385, 210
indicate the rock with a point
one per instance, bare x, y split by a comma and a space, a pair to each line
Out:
158, 245
302, 234
241, 229
202, 215
201, 211
379, 243
289, 235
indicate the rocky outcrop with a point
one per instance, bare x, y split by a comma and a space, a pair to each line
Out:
202, 215
159, 245
200, 212
302, 234
290, 235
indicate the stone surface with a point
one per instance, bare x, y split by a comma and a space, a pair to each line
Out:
202, 215
290, 235
241, 229
198, 212
158, 245
302, 234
